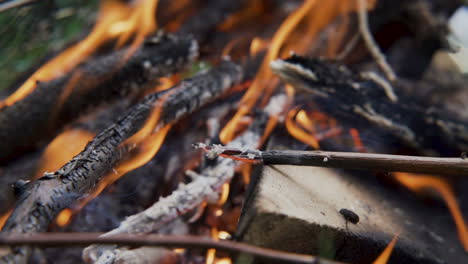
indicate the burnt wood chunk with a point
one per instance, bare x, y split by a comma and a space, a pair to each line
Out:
49, 195
300, 209
40, 115
361, 101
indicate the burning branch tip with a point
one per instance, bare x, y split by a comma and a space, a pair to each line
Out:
214, 151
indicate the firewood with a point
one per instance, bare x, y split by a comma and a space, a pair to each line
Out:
13, 175
205, 186
45, 198
359, 101
348, 160
40, 114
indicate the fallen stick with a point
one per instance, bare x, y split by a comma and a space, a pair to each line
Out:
39, 116
43, 199
347, 160
193, 242
205, 186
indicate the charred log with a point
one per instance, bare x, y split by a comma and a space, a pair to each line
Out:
46, 197
54, 103
23, 169
359, 100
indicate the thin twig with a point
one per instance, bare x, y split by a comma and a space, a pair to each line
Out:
349, 160
371, 43
6, 5
83, 239
348, 48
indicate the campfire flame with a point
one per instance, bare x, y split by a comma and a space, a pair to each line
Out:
419, 182
385, 255
64, 217
115, 20
4, 218
311, 128
62, 149
145, 145
315, 15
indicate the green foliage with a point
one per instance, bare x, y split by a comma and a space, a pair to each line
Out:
30, 33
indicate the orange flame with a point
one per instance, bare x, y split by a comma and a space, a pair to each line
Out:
298, 133
64, 217
418, 182
62, 149
115, 20
263, 81
145, 145
385, 256
317, 15
4, 218
357, 140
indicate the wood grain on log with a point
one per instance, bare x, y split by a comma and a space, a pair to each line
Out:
40, 114
45, 198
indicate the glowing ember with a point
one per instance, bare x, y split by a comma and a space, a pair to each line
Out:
384, 257
64, 217
62, 149
418, 182
115, 20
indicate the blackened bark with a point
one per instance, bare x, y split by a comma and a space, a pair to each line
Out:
40, 114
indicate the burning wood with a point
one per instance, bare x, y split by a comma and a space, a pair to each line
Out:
205, 186
45, 198
316, 211
347, 95
54, 103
